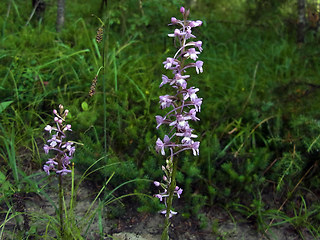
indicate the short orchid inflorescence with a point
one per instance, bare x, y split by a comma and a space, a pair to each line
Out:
64, 149
184, 104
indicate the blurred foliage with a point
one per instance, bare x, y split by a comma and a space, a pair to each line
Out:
259, 127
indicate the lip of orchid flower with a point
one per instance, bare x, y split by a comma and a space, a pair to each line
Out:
192, 53
67, 127
165, 80
166, 101
191, 93
63, 171
170, 214
198, 44
198, 66
176, 33
196, 23
170, 62
189, 33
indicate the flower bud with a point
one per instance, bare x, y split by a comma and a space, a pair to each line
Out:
56, 119
55, 111
182, 10
174, 20
157, 184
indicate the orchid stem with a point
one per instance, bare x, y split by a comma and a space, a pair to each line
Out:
165, 233
60, 206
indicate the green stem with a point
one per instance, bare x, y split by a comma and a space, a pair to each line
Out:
104, 96
60, 206
165, 233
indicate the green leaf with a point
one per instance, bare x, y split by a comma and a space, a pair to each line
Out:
84, 106
2, 178
4, 185
4, 105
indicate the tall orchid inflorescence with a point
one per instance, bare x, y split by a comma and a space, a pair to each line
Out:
64, 149
184, 104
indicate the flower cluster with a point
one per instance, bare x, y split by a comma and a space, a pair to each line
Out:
64, 149
167, 178
185, 102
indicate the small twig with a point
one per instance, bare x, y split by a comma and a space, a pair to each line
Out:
9, 8
289, 195
32, 13
251, 90
273, 162
252, 131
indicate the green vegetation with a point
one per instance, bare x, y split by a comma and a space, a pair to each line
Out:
259, 128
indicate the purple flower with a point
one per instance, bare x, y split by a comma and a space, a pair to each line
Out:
191, 93
68, 146
189, 33
180, 80
165, 80
178, 191
54, 141
47, 168
192, 115
170, 214
177, 33
195, 148
63, 171
160, 146
46, 149
51, 162
199, 65
165, 101
66, 160
48, 128
192, 53
197, 104
159, 196
67, 127
198, 44
168, 64
195, 23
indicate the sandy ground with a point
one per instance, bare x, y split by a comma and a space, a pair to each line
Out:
146, 226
